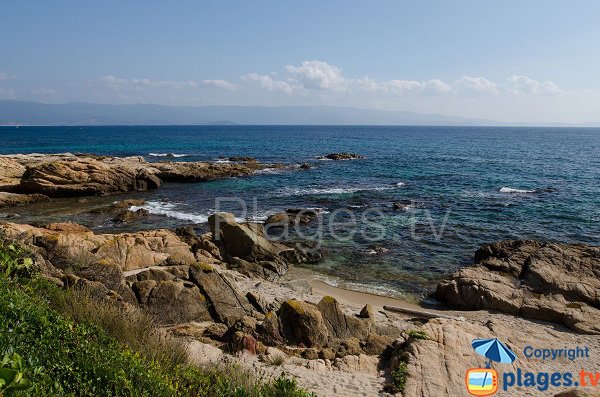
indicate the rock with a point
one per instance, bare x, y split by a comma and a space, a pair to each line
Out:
292, 216
402, 205
15, 200
327, 354
302, 323
129, 251
367, 312
242, 159
305, 166
249, 243
226, 301
10, 172
67, 227
258, 301
216, 331
545, 281
155, 274
85, 177
177, 301
341, 156
376, 344
338, 324
200, 172
268, 330
367, 364
142, 290
129, 216
126, 204
243, 342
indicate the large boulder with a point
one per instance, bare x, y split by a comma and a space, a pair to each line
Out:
340, 325
247, 242
85, 177
302, 323
546, 281
226, 301
174, 301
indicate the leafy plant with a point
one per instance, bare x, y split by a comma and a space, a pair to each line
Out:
399, 377
418, 334
12, 376
13, 260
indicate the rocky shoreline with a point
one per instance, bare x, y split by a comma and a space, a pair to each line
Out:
236, 296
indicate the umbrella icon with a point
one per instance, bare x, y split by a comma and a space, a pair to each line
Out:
494, 350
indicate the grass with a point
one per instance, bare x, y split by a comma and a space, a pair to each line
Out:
418, 334
65, 343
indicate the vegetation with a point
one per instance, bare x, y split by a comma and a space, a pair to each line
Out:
398, 378
58, 342
418, 334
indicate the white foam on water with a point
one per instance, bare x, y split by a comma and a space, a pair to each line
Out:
334, 190
515, 191
170, 210
400, 184
166, 155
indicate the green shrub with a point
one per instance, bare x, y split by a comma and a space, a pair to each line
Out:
399, 377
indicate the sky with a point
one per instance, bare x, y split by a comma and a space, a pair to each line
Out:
526, 60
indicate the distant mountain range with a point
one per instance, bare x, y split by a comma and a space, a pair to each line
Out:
78, 113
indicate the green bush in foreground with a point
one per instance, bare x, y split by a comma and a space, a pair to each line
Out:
68, 353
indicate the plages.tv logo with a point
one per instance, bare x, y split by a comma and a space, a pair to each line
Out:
484, 381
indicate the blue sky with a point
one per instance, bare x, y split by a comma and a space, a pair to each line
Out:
505, 60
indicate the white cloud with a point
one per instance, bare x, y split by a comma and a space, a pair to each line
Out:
117, 83
476, 85
7, 93
318, 75
222, 84
523, 85
269, 84
43, 91
6, 76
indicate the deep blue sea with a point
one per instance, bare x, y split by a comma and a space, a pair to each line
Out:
459, 187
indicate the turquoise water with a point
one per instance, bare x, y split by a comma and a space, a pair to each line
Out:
483, 184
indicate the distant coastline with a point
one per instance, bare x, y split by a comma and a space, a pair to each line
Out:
23, 113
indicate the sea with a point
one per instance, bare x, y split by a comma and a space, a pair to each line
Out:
412, 211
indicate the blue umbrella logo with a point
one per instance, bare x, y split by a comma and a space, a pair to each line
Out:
494, 350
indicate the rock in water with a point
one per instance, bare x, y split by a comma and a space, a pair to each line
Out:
546, 281
341, 156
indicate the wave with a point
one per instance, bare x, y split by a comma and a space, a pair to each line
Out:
169, 210
515, 191
400, 184
166, 155
222, 161
270, 171
335, 190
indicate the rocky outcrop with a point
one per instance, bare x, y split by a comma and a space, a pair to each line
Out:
68, 175
75, 246
546, 281
341, 156
85, 177
15, 200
